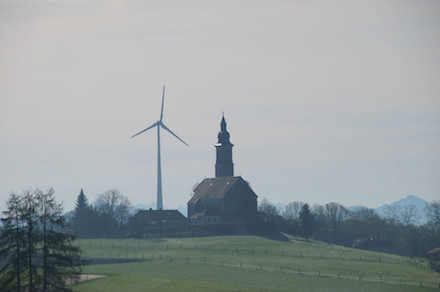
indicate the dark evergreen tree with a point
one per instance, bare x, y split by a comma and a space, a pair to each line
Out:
81, 202
36, 245
11, 246
307, 221
58, 251
32, 236
82, 216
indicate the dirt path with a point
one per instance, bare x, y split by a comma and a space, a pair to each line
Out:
83, 278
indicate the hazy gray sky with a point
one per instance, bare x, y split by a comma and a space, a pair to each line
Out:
325, 100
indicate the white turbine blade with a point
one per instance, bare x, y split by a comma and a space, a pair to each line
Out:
165, 127
152, 126
163, 97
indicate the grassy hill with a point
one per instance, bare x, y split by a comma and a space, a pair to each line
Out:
247, 263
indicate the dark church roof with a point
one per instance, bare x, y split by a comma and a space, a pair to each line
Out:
217, 187
160, 215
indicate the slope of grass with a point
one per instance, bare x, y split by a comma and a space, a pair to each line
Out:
249, 263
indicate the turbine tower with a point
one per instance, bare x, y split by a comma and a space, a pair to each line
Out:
159, 124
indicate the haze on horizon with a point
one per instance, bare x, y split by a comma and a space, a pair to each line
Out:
335, 101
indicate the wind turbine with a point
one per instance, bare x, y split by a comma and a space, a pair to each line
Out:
159, 124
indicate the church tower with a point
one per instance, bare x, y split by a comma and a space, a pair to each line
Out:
223, 164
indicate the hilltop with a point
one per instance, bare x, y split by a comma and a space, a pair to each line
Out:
248, 263
419, 203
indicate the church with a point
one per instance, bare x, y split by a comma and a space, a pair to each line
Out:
225, 198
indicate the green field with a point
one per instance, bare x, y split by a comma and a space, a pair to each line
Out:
247, 263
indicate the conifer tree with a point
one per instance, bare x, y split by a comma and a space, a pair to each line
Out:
58, 250
36, 245
307, 221
83, 216
11, 245
81, 203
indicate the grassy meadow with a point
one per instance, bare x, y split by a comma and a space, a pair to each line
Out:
247, 263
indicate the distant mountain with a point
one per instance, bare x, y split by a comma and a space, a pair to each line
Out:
420, 205
134, 209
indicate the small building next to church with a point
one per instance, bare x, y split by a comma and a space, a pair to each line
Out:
225, 198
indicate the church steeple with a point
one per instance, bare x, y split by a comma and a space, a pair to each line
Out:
223, 164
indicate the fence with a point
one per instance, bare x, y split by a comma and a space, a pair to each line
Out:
173, 254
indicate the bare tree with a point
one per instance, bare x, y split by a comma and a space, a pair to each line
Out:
319, 213
335, 214
362, 213
292, 210
114, 204
433, 212
392, 214
409, 215
268, 208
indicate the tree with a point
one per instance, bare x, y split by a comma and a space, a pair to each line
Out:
362, 213
81, 203
335, 214
57, 244
43, 251
409, 215
11, 245
392, 214
267, 208
32, 236
292, 210
307, 221
433, 212
83, 217
320, 216
115, 205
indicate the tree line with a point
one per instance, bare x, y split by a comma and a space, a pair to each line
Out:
396, 232
37, 252
107, 217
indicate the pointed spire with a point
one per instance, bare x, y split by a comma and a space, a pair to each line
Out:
223, 135
224, 165
223, 123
